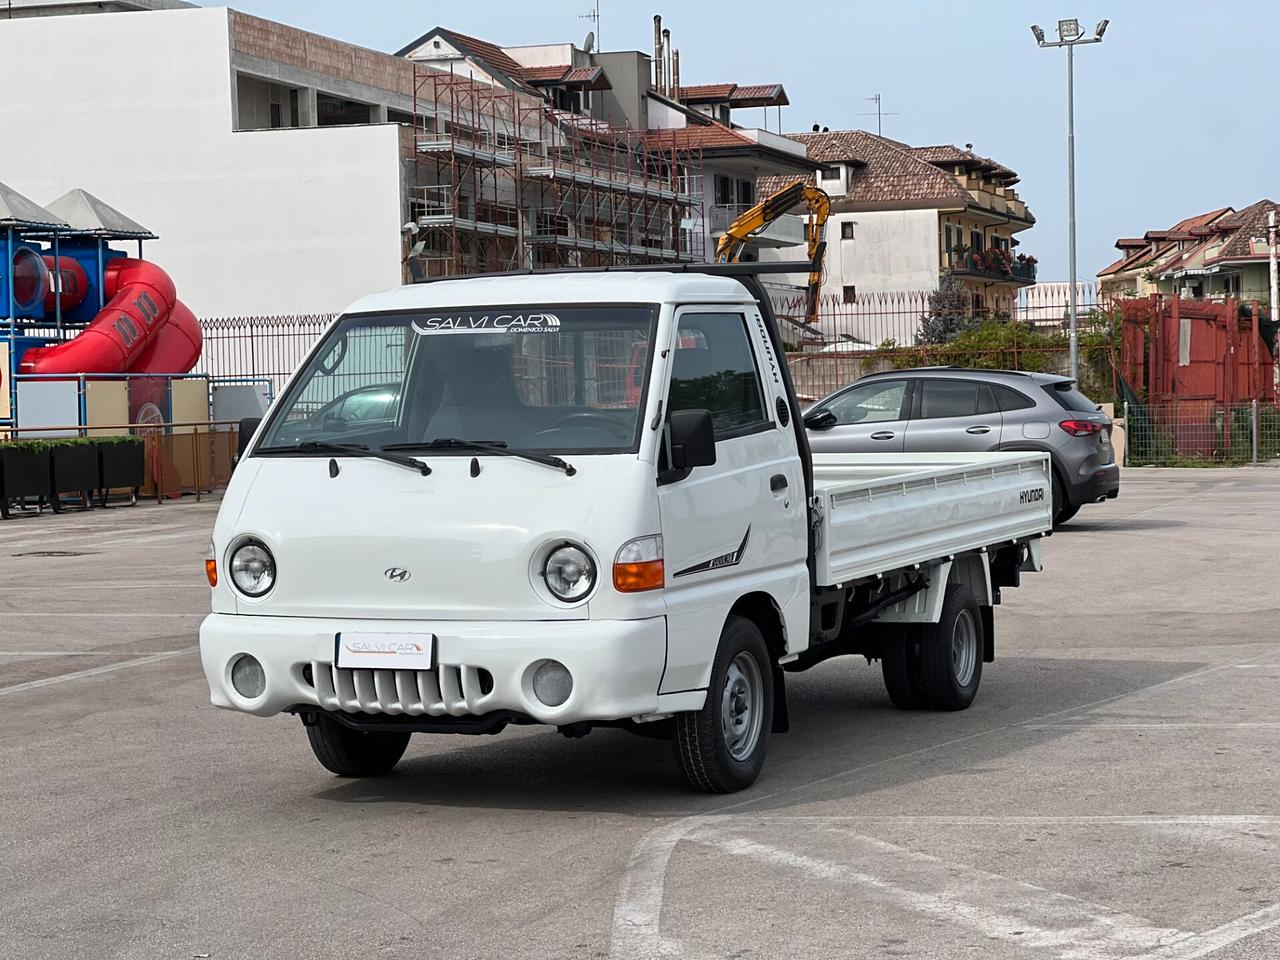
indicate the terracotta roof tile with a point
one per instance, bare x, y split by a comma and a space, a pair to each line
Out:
1244, 225
708, 136
543, 74
885, 174
705, 92
588, 76
951, 154
1203, 220
490, 53
759, 95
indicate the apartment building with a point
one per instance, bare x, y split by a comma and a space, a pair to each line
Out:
1221, 253
288, 172
902, 216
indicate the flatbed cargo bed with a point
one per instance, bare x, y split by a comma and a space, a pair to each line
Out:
880, 513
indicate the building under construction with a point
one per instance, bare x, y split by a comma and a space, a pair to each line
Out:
503, 181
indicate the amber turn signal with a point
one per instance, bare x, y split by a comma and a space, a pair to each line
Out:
211, 567
638, 566
635, 577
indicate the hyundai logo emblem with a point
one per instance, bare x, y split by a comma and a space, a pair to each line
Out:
397, 574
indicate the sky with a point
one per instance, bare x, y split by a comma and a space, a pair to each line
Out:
1177, 110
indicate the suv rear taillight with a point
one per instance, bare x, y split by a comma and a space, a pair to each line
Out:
1081, 428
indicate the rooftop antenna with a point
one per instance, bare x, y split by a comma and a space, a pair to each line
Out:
594, 17
879, 114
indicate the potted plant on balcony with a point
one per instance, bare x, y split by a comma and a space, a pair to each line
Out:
73, 468
24, 472
121, 464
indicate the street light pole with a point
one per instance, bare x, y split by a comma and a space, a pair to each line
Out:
1070, 34
1073, 307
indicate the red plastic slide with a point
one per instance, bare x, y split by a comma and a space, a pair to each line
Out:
144, 327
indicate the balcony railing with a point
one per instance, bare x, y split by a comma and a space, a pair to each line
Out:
786, 231
995, 265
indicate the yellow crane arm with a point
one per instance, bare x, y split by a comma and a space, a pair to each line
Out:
734, 241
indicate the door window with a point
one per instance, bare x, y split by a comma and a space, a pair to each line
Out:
714, 369
870, 402
948, 398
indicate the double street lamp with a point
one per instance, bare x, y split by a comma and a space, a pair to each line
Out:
1069, 35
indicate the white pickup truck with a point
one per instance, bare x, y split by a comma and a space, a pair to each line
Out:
587, 499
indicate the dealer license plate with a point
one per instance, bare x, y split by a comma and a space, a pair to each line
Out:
386, 651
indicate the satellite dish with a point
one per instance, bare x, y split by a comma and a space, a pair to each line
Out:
589, 44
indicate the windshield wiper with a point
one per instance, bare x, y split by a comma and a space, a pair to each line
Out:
349, 450
496, 447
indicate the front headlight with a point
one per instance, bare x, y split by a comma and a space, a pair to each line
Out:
569, 573
253, 569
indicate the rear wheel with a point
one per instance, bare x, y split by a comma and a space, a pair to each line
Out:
900, 664
721, 747
354, 753
951, 652
1062, 508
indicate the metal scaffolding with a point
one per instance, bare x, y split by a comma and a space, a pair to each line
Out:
503, 181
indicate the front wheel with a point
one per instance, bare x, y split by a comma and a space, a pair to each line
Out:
354, 753
721, 747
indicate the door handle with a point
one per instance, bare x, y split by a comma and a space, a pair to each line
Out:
882, 435
979, 429
777, 482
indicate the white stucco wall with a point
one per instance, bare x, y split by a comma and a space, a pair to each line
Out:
136, 108
890, 250
894, 250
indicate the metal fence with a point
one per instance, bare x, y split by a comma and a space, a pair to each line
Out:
268, 347
1196, 432
851, 339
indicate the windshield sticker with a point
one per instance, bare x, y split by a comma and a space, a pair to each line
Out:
488, 323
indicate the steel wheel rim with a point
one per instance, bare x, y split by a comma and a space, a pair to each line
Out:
964, 648
742, 706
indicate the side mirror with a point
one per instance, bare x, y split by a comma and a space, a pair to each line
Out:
248, 427
820, 419
692, 439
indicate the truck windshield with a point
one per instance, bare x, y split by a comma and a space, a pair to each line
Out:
568, 379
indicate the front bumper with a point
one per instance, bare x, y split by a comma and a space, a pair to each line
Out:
481, 667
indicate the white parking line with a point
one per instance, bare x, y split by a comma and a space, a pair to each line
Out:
1020, 913
63, 653
116, 614
637, 911
1155, 725
92, 672
1219, 937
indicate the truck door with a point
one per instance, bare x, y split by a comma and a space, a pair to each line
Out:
952, 415
737, 526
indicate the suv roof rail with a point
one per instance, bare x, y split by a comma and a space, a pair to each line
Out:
957, 369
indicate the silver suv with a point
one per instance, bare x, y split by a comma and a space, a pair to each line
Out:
956, 409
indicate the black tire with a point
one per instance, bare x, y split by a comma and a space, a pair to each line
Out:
1062, 508
900, 664
949, 677
705, 753
354, 753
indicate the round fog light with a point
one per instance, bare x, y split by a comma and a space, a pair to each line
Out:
248, 678
552, 683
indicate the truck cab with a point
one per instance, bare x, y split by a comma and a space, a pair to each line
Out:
515, 533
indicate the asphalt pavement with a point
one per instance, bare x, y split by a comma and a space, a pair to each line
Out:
1113, 793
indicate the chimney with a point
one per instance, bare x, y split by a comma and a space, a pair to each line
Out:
675, 75
666, 66
657, 52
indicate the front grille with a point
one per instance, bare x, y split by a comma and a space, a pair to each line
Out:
448, 690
